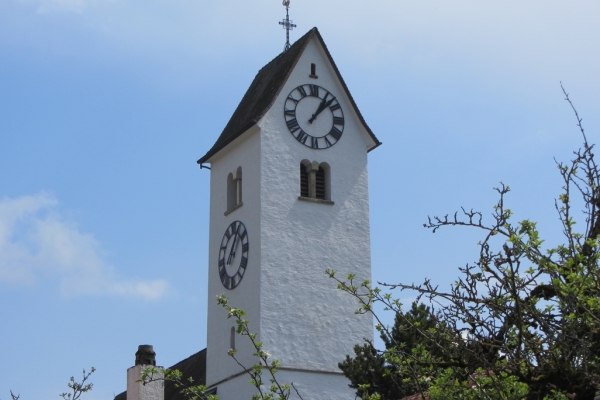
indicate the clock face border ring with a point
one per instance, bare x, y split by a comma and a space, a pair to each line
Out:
235, 239
325, 138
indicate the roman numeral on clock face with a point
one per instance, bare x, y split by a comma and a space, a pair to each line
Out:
302, 91
226, 281
314, 142
302, 136
338, 120
292, 125
314, 90
334, 107
336, 133
289, 112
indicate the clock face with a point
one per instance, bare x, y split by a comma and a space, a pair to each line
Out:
314, 116
233, 255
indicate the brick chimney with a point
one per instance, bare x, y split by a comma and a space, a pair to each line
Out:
145, 357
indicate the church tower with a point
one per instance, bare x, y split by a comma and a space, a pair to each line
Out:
289, 199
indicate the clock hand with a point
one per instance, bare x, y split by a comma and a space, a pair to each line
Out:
232, 251
324, 104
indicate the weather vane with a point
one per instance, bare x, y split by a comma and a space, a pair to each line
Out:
287, 24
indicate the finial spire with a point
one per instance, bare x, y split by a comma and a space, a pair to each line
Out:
287, 24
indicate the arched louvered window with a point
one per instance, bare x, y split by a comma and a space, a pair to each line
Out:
320, 184
231, 192
234, 190
238, 186
303, 181
314, 181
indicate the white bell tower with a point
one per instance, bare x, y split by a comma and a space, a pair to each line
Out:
289, 199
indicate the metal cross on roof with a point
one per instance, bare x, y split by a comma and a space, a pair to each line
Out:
287, 24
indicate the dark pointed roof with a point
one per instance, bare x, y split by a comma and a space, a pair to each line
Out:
264, 90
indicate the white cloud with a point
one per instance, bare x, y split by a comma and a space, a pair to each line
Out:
36, 240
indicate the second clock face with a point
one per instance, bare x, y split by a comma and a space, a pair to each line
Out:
314, 116
233, 255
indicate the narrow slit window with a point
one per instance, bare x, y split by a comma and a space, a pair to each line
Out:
232, 338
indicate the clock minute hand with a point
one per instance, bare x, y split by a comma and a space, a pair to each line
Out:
232, 251
324, 104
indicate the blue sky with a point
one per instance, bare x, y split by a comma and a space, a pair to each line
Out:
105, 106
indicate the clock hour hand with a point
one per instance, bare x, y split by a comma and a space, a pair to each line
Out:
324, 104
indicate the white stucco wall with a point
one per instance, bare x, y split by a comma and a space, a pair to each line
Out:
302, 319
305, 321
244, 152
310, 385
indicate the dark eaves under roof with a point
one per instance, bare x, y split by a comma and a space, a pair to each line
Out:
265, 88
